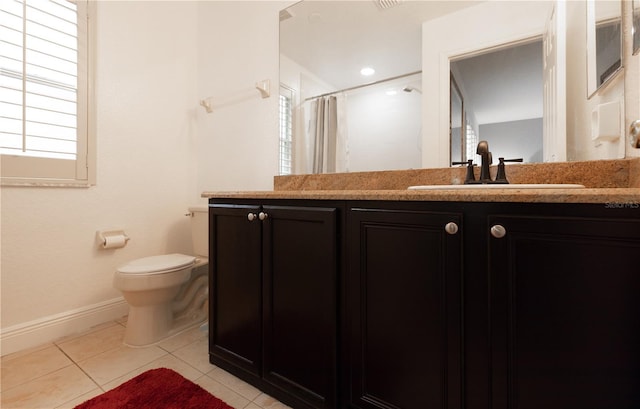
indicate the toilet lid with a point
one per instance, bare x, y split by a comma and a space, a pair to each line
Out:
157, 264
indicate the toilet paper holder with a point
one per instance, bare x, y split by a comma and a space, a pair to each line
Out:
111, 239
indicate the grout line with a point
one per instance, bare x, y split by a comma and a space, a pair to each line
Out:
79, 367
168, 353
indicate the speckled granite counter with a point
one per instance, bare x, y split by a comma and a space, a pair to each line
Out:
621, 197
614, 183
620, 173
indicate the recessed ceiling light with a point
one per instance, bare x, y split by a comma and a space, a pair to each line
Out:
367, 71
391, 92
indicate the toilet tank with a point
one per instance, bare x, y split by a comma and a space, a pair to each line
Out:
200, 230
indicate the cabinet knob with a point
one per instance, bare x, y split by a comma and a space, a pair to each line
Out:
498, 231
451, 228
263, 215
251, 217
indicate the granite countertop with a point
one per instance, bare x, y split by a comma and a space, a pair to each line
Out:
620, 197
612, 182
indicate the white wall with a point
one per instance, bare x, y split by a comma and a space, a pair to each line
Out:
146, 144
384, 130
579, 107
237, 47
157, 151
514, 139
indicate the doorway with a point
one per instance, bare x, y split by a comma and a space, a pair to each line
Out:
502, 90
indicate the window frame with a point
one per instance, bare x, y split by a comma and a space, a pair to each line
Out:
289, 94
50, 172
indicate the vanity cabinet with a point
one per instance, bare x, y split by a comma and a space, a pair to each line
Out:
235, 288
526, 306
449, 305
273, 298
404, 295
565, 311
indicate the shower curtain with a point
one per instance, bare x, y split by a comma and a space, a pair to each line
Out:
327, 135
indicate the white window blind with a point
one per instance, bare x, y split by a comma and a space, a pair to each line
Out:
472, 142
286, 132
44, 86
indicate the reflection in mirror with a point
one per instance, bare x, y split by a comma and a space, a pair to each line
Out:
363, 128
636, 26
456, 119
324, 45
286, 102
502, 94
604, 42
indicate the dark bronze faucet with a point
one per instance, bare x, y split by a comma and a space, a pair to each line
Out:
501, 176
487, 159
470, 178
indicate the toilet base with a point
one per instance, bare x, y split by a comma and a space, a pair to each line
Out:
151, 321
146, 328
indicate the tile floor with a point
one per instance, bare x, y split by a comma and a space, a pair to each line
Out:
74, 369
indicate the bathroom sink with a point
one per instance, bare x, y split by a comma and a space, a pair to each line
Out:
499, 186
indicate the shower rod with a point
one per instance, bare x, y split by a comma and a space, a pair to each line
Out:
364, 85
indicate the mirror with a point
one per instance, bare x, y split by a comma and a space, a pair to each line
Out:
604, 43
456, 119
323, 47
502, 94
324, 44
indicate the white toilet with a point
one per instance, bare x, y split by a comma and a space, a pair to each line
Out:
167, 294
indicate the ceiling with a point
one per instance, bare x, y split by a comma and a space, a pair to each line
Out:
335, 39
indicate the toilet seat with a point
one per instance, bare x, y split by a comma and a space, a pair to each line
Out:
165, 263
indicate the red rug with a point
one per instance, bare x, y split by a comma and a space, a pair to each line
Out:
156, 389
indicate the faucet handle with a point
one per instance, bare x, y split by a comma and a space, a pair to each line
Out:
470, 178
502, 160
510, 160
501, 176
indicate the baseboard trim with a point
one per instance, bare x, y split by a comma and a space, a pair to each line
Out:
53, 327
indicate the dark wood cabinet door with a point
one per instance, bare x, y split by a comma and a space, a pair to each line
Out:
565, 313
300, 289
235, 286
404, 300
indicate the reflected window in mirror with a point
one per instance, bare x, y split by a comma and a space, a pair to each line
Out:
471, 140
285, 162
456, 121
604, 42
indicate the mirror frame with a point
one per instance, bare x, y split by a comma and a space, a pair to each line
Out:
528, 23
635, 27
453, 88
592, 58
